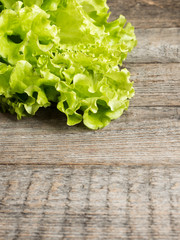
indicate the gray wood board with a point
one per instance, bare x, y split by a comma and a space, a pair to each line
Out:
147, 13
159, 45
145, 135
89, 202
155, 84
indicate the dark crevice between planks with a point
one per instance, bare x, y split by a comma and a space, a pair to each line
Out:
156, 106
147, 63
57, 165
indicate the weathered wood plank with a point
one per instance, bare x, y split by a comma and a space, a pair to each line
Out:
155, 84
141, 136
156, 45
147, 13
89, 202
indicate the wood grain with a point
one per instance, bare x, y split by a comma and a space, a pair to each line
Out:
89, 203
122, 182
147, 13
156, 84
149, 135
156, 46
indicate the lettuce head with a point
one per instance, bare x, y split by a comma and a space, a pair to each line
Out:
64, 52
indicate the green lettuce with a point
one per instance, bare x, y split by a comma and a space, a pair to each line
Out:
64, 52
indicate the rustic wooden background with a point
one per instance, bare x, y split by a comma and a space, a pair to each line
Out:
122, 182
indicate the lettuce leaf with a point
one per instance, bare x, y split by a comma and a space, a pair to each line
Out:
64, 52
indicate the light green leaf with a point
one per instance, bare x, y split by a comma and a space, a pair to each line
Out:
65, 52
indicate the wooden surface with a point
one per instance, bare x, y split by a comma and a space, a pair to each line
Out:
122, 182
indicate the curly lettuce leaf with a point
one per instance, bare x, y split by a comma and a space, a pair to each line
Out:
64, 52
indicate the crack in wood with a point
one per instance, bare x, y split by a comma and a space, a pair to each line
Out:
150, 205
40, 231
171, 209
108, 222
87, 201
67, 206
129, 228
22, 213
5, 192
